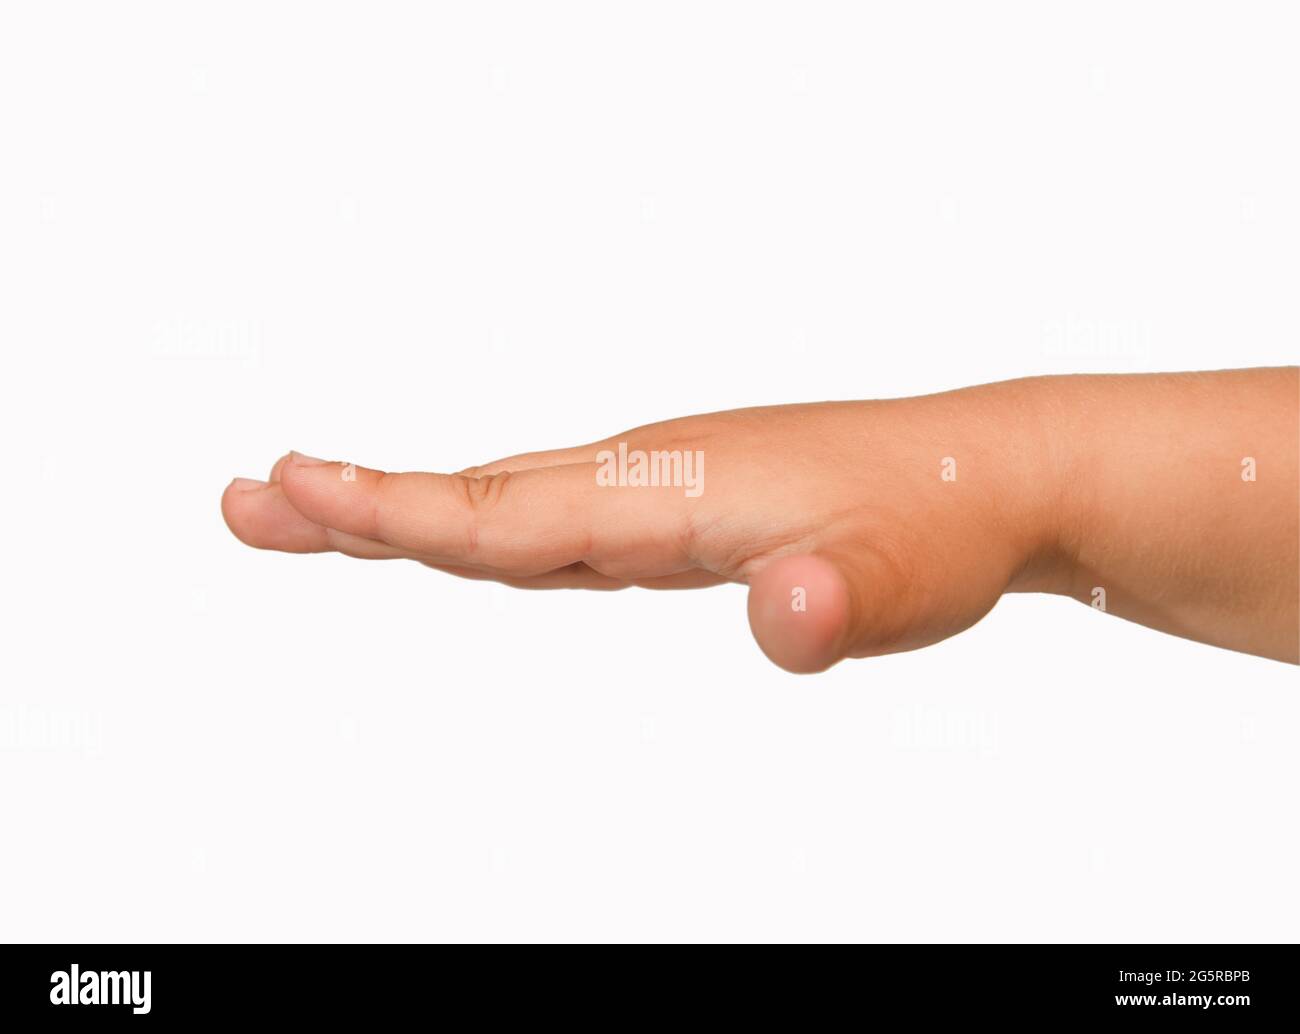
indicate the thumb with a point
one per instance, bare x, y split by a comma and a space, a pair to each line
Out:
810, 611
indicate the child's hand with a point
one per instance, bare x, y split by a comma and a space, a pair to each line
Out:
867, 527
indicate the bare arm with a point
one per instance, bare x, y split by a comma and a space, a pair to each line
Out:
870, 527
1181, 502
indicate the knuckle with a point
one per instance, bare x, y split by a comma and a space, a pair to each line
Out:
483, 494
379, 519
480, 496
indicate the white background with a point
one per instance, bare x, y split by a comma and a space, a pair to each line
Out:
423, 236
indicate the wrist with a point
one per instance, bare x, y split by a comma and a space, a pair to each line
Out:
1042, 461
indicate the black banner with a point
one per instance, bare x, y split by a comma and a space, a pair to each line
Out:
158, 986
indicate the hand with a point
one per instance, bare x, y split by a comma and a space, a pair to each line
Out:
837, 515
861, 528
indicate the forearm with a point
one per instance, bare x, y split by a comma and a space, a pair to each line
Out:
1180, 501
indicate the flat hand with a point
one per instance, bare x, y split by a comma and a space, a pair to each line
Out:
837, 515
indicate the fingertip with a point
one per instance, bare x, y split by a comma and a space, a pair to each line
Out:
278, 467
237, 490
234, 508
297, 467
257, 514
331, 493
799, 612
298, 473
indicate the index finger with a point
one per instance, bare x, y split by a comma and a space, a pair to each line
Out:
521, 523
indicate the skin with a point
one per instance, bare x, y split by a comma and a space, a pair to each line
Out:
1131, 484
